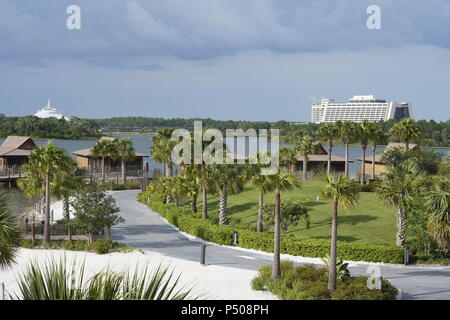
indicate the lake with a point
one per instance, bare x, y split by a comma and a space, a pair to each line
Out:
142, 143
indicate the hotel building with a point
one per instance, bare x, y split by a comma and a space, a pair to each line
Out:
360, 108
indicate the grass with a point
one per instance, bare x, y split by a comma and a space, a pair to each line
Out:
100, 246
370, 222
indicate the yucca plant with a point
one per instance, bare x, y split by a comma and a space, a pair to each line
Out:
56, 281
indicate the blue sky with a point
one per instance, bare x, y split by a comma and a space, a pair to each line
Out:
224, 59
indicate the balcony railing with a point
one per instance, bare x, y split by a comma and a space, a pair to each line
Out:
12, 171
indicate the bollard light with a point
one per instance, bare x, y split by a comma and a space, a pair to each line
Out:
235, 238
202, 254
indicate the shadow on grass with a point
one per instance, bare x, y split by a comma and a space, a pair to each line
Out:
243, 207
315, 203
340, 238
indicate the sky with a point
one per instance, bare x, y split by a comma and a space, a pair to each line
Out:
222, 59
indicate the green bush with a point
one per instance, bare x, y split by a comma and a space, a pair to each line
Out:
125, 186
308, 282
183, 219
101, 246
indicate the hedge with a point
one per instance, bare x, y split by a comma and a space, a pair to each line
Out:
184, 220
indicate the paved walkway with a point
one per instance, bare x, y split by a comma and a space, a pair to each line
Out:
146, 230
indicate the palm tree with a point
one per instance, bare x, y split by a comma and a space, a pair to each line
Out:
225, 177
102, 149
64, 186
401, 183
344, 194
288, 157
191, 177
10, 235
282, 181
161, 151
45, 163
364, 133
407, 130
305, 146
438, 207
125, 152
260, 182
377, 137
328, 133
347, 132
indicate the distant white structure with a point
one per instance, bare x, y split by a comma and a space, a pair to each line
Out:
360, 108
49, 112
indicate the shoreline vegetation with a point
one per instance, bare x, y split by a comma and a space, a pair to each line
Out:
435, 134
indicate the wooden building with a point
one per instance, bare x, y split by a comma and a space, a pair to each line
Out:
93, 165
379, 165
14, 152
319, 160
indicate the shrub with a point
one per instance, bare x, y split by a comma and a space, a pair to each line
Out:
125, 186
183, 219
308, 282
101, 246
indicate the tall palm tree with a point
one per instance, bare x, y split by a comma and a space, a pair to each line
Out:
364, 133
305, 146
347, 132
407, 130
102, 149
377, 137
328, 133
401, 183
125, 152
45, 163
437, 206
288, 157
225, 177
161, 151
65, 185
344, 194
260, 182
282, 181
10, 235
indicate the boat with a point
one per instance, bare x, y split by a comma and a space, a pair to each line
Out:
49, 112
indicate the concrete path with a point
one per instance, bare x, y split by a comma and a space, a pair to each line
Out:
146, 230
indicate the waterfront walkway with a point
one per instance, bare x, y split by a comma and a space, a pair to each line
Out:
146, 230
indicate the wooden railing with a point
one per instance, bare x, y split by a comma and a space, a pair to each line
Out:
12, 171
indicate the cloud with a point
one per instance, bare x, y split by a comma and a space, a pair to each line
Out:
203, 30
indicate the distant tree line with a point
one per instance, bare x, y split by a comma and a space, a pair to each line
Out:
51, 128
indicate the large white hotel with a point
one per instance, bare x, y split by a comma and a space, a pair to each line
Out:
360, 108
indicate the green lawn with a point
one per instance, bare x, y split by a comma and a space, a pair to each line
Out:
370, 222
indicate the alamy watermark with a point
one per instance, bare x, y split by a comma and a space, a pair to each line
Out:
250, 147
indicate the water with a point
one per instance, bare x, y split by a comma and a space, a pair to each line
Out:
142, 144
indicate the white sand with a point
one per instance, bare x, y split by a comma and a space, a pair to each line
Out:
211, 282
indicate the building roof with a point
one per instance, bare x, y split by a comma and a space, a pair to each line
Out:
109, 138
322, 158
12, 146
391, 145
87, 153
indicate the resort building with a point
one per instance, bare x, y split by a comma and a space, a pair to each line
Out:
379, 165
49, 112
93, 165
14, 152
360, 108
318, 161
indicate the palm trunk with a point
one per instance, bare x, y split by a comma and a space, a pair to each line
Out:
46, 240
406, 145
89, 236
373, 161
223, 206
346, 159
305, 167
108, 233
276, 270
67, 217
259, 226
194, 204
333, 249
169, 174
103, 169
363, 165
124, 173
33, 232
204, 203
330, 150
401, 228
169, 170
